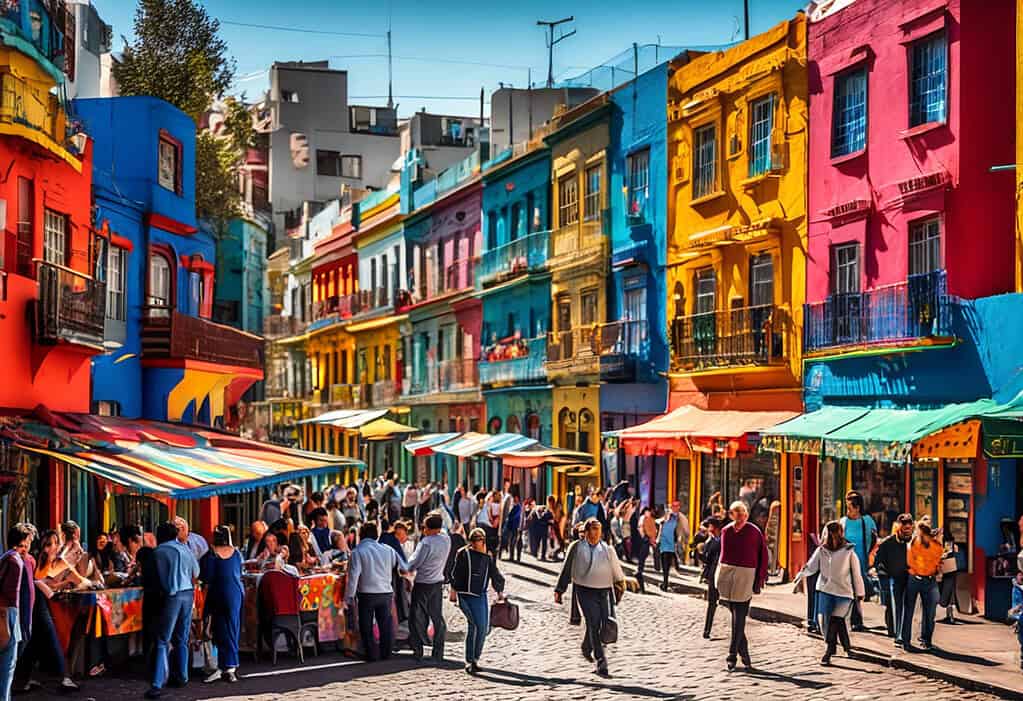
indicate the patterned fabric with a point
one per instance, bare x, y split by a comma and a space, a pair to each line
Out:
323, 593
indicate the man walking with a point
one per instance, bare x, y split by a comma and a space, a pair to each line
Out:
428, 562
891, 562
369, 578
924, 561
709, 554
592, 567
178, 571
860, 530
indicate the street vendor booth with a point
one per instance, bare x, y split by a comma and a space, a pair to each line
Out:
365, 434
945, 464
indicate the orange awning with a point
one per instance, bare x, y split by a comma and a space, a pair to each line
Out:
689, 428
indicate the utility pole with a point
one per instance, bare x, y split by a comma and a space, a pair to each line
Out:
551, 41
390, 74
745, 15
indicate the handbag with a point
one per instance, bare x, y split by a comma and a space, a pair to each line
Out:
949, 564
609, 631
504, 614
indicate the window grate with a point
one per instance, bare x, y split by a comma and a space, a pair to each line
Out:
705, 163
928, 80
761, 126
850, 113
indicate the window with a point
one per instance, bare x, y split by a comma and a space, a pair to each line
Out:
761, 280
491, 230
532, 222
334, 165
849, 114
169, 169
706, 291
289, 96
26, 226
761, 126
516, 222
927, 82
55, 238
638, 174
925, 247
591, 201
159, 284
705, 161
568, 200
845, 271
588, 307
117, 264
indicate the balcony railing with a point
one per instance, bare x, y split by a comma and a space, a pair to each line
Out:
515, 257
384, 393
457, 275
519, 361
445, 376
731, 338
167, 333
282, 326
918, 308
622, 344
326, 308
365, 301
71, 306
27, 106
578, 239
573, 352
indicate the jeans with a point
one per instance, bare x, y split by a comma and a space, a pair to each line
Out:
595, 605
43, 645
738, 645
893, 596
927, 589
172, 630
642, 550
667, 560
811, 601
477, 614
378, 606
834, 632
427, 606
712, 605
9, 655
829, 605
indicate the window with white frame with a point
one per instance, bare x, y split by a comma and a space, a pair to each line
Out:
159, 285
117, 259
845, 268
706, 291
849, 132
704, 160
351, 166
761, 280
168, 167
925, 246
55, 238
591, 200
638, 173
760, 129
568, 200
928, 80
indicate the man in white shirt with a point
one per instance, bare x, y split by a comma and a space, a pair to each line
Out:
428, 561
370, 573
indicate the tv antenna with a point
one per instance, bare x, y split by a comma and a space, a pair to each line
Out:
551, 41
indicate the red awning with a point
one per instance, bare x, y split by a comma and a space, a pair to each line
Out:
691, 429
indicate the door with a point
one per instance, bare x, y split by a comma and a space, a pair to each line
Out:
565, 326
634, 320
160, 300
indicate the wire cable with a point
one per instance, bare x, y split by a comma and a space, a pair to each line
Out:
278, 28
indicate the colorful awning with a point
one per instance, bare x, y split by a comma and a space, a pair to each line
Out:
537, 456
424, 445
350, 419
471, 444
690, 428
384, 429
149, 457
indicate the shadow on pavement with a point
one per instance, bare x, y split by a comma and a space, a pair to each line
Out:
961, 657
787, 678
500, 676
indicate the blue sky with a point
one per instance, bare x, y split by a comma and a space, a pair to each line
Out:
491, 33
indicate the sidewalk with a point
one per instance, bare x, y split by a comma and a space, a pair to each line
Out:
975, 653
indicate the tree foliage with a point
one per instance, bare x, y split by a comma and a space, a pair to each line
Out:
177, 55
216, 183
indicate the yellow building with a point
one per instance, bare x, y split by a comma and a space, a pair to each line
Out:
578, 262
737, 227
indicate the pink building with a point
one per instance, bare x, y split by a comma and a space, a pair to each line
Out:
911, 103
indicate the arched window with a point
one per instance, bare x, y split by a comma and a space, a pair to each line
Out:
585, 429
679, 299
513, 425
566, 429
533, 426
160, 299
494, 425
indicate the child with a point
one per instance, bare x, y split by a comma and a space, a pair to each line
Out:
1016, 611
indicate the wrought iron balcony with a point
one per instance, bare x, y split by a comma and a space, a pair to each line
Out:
528, 253
26, 105
733, 338
383, 393
282, 326
457, 275
573, 352
167, 333
445, 376
326, 308
623, 345
918, 308
517, 361
71, 306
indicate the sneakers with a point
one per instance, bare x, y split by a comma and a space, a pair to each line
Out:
215, 676
603, 672
231, 676
472, 668
730, 665
31, 685
153, 693
66, 684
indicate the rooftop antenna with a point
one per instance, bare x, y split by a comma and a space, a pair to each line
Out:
390, 73
745, 17
551, 41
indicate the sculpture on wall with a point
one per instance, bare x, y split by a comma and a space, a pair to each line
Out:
299, 151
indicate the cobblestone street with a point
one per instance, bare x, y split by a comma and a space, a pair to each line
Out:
660, 655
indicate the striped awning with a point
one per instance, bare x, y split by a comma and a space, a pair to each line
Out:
424, 445
155, 458
346, 418
472, 444
538, 455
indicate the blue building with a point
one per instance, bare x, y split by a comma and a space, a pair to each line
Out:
515, 289
241, 267
166, 359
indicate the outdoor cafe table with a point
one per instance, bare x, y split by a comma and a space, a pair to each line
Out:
323, 593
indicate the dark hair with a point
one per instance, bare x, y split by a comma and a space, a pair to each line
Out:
712, 521
590, 523
222, 535
835, 539
166, 532
130, 533
317, 513
316, 496
856, 498
41, 557
296, 549
434, 521
368, 531
68, 528
905, 520
17, 535
403, 525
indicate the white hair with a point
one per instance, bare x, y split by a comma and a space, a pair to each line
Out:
739, 506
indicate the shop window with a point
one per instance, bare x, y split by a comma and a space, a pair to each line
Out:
682, 483
758, 480
712, 473
883, 487
849, 113
928, 80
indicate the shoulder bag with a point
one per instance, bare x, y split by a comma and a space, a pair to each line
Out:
609, 631
504, 614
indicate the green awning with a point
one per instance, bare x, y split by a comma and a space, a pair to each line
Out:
805, 433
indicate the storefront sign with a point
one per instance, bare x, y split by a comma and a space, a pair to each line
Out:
772, 444
1003, 446
869, 450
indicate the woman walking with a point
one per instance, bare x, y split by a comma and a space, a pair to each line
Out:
644, 535
474, 571
222, 573
742, 571
839, 584
949, 600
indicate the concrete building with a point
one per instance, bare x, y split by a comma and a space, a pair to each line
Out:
319, 142
516, 112
440, 140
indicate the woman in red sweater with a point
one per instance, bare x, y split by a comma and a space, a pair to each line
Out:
741, 573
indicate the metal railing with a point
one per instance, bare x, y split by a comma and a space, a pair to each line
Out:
40, 111
71, 305
578, 239
918, 308
384, 393
735, 337
524, 254
167, 333
521, 361
443, 376
282, 326
326, 307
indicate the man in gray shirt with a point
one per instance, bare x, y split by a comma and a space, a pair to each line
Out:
428, 561
369, 581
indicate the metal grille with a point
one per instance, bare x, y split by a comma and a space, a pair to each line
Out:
925, 247
705, 163
928, 66
761, 125
850, 113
